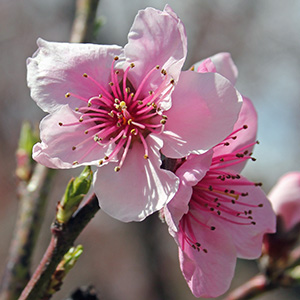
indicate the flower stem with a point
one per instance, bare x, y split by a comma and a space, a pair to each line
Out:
63, 237
31, 211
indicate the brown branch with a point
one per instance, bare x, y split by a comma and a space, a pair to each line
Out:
83, 25
63, 237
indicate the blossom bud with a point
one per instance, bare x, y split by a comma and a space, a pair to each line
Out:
66, 264
285, 198
76, 190
28, 138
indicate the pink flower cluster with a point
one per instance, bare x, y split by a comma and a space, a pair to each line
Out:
160, 138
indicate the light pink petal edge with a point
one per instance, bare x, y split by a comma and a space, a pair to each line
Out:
55, 149
57, 68
156, 38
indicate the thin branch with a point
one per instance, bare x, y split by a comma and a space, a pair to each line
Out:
84, 22
63, 237
31, 212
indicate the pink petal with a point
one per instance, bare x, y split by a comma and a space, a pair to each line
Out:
57, 68
55, 150
244, 137
177, 207
190, 173
156, 38
221, 63
285, 198
208, 274
247, 238
141, 183
225, 66
206, 66
205, 107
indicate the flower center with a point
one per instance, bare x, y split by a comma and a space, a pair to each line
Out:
121, 115
215, 194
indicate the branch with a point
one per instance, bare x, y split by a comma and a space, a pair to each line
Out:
84, 22
63, 237
31, 212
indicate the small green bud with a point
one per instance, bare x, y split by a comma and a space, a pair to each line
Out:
28, 138
66, 264
76, 189
294, 274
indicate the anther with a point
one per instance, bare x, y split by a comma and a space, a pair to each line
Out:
146, 156
163, 121
116, 57
164, 72
75, 163
245, 126
76, 109
100, 162
111, 83
132, 65
127, 90
67, 95
172, 81
85, 75
192, 68
254, 223
260, 205
258, 184
80, 119
205, 250
86, 131
140, 102
117, 169
212, 228
73, 148
60, 124
157, 67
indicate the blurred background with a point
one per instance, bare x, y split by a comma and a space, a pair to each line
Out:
263, 38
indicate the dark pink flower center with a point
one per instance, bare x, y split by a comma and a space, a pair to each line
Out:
215, 194
121, 114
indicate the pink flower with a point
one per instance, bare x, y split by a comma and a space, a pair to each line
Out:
119, 109
285, 198
218, 215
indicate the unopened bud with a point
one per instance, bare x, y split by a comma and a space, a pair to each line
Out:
76, 189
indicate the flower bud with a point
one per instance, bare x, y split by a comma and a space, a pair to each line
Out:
76, 190
28, 138
66, 264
